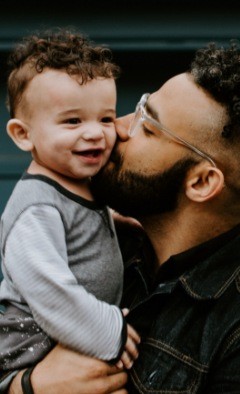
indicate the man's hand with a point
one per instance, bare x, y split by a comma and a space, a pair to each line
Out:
65, 371
126, 221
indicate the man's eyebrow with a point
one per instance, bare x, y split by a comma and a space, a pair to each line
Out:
151, 112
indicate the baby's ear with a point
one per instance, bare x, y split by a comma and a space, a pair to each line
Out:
19, 133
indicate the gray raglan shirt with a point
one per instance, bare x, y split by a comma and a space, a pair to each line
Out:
61, 262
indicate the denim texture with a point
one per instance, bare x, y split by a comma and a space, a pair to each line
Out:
190, 326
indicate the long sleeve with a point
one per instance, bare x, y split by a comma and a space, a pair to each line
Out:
36, 260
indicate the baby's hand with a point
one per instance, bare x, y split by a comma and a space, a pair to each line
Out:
130, 353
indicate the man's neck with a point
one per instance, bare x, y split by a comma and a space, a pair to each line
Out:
171, 234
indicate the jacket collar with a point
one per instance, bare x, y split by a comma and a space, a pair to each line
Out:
204, 271
210, 278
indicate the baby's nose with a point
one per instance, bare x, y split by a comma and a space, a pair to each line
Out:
93, 132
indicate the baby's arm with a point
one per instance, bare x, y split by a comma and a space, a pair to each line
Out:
36, 258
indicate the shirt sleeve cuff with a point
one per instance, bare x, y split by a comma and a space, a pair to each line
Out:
5, 381
123, 342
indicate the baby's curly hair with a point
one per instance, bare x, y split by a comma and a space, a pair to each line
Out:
217, 70
60, 49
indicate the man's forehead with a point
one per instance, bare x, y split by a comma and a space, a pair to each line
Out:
182, 104
181, 94
176, 85
171, 97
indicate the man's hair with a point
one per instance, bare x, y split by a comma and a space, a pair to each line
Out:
60, 49
217, 70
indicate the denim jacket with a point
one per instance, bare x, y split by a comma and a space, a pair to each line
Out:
189, 323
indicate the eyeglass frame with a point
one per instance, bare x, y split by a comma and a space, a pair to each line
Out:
158, 125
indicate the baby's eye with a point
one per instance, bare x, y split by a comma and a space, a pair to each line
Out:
107, 119
73, 120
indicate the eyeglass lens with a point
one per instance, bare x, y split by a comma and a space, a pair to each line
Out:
135, 122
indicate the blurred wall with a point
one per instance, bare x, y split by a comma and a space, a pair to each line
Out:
151, 41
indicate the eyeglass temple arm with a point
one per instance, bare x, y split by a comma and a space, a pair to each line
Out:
183, 142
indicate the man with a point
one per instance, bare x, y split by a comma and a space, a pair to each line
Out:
178, 174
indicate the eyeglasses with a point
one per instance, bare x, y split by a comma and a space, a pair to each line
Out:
142, 118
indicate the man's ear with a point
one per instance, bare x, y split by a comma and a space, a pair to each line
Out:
18, 131
204, 182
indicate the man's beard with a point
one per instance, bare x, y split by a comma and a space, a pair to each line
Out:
137, 195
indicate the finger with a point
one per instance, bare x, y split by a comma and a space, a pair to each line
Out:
126, 360
113, 369
119, 364
112, 384
125, 311
123, 391
133, 334
131, 349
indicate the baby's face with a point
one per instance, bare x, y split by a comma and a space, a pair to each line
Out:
71, 126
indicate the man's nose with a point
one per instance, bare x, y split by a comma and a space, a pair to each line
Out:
122, 126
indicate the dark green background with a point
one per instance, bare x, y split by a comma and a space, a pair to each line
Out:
151, 40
